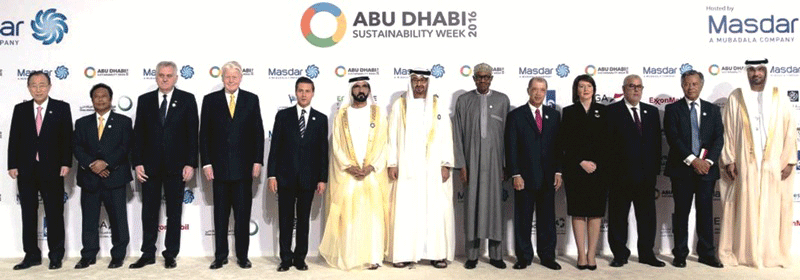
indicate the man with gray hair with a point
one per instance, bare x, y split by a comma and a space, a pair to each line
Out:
478, 125
164, 156
232, 153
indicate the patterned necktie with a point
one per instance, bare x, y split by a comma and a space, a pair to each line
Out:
100, 128
163, 109
232, 104
302, 123
636, 120
539, 120
695, 130
38, 125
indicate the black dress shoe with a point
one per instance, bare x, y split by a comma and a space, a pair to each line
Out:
618, 262
218, 263
551, 264
679, 262
55, 264
521, 265
115, 263
582, 267
84, 263
284, 267
170, 262
300, 265
652, 261
591, 267
470, 264
245, 263
26, 264
498, 264
141, 262
712, 262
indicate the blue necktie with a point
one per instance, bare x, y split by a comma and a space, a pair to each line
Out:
695, 130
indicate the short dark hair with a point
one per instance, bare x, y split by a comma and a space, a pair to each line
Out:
101, 85
692, 72
38, 72
304, 80
583, 78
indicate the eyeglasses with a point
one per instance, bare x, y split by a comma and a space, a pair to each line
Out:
482, 77
635, 87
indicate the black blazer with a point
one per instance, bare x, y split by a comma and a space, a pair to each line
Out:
531, 154
169, 147
637, 158
54, 141
678, 129
112, 148
294, 161
584, 137
231, 145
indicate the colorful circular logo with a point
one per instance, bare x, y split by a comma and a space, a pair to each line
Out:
214, 72
713, 69
305, 24
89, 72
591, 70
466, 71
340, 71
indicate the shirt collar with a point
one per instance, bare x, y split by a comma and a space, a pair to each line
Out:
534, 108
689, 102
631, 106
105, 116
44, 104
307, 108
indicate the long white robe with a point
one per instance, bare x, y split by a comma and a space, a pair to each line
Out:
355, 226
757, 207
421, 213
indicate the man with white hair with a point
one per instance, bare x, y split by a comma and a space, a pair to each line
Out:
354, 231
478, 130
759, 160
232, 153
420, 159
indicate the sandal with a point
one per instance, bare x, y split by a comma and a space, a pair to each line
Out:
401, 264
373, 266
439, 264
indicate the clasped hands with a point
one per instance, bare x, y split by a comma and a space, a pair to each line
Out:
358, 172
445, 173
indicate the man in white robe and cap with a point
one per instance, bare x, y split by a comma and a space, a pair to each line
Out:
420, 159
758, 158
358, 185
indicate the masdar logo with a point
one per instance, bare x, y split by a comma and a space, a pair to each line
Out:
49, 26
323, 7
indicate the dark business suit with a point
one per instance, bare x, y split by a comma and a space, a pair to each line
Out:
163, 150
685, 182
533, 156
232, 146
637, 158
54, 147
297, 164
113, 148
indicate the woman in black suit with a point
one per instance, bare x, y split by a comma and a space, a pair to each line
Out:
584, 128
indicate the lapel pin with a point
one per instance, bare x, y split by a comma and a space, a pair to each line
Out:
439, 116
645, 111
173, 105
313, 118
490, 107
546, 117
49, 112
109, 126
596, 111
704, 113
372, 125
597, 115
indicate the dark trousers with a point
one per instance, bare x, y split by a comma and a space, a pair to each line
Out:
173, 188
642, 195
51, 188
239, 195
115, 202
525, 201
682, 192
293, 203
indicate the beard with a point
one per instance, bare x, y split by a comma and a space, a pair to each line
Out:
360, 97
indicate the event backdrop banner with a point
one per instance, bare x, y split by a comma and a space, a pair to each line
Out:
81, 43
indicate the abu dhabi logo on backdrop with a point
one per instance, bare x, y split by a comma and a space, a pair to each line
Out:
726, 27
592, 70
91, 72
466, 71
665, 71
561, 70
61, 72
454, 24
437, 71
342, 71
48, 26
715, 69
310, 71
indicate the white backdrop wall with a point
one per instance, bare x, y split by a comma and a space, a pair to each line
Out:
120, 42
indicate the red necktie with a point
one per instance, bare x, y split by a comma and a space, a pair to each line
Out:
538, 120
637, 120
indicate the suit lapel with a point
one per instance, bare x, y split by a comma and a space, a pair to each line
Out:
47, 118
528, 115
705, 110
239, 109
172, 107
93, 131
